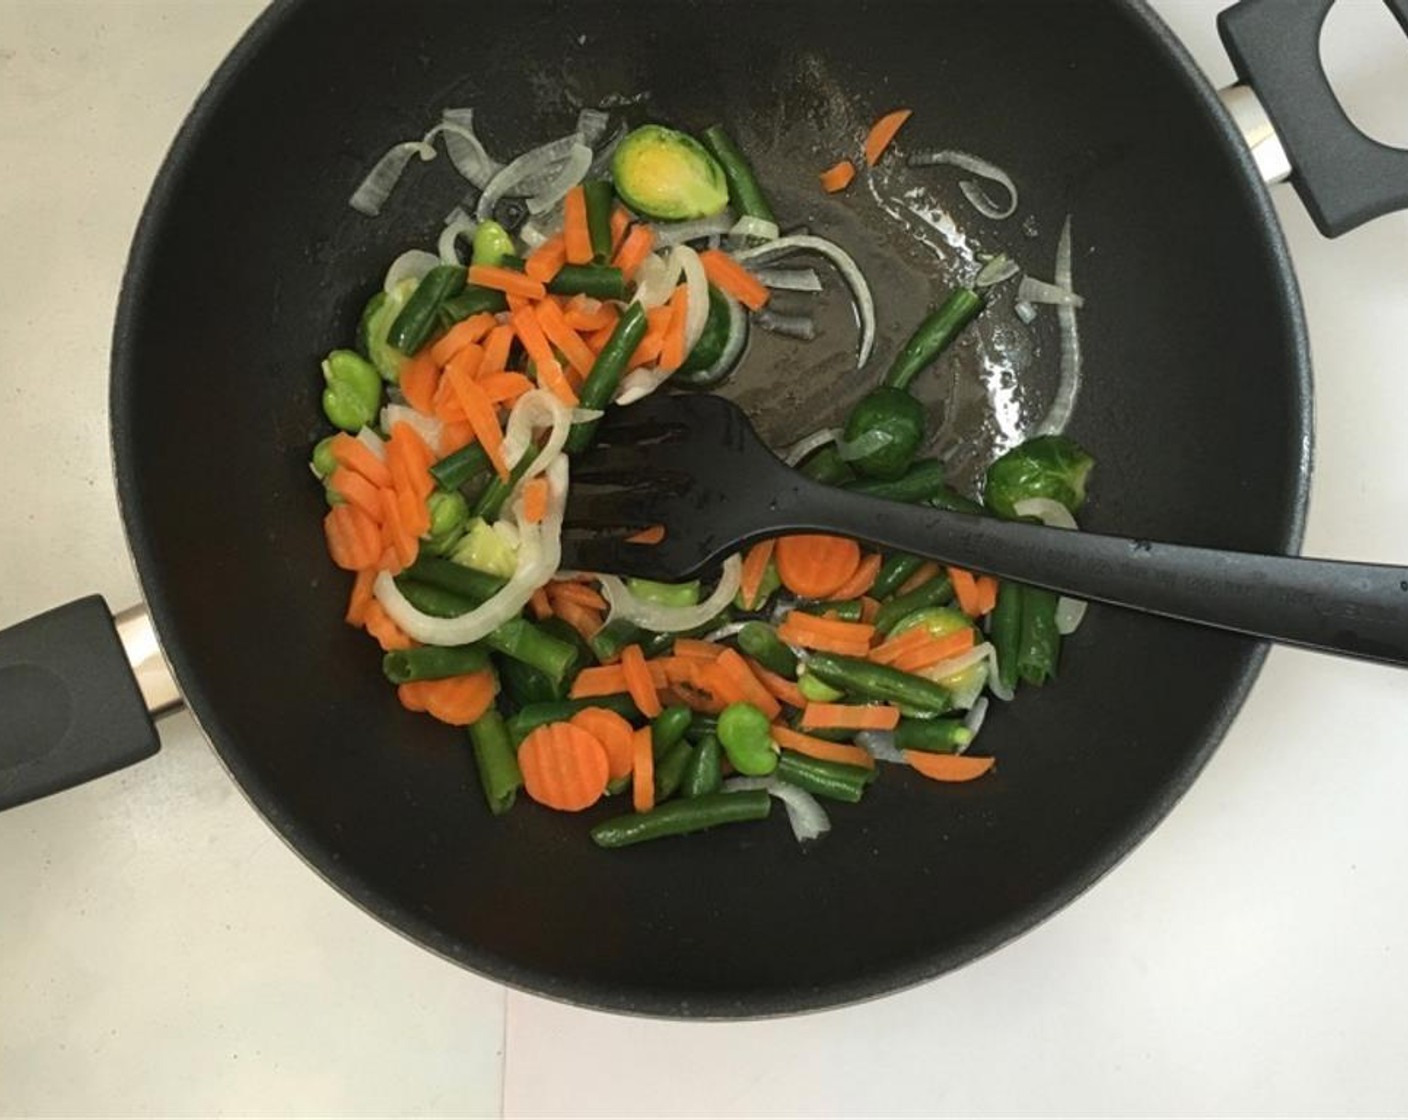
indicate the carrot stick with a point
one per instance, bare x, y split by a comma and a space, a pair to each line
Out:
598, 339
564, 766
614, 733
550, 376
851, 717
535, 499
935, 650
755, 566
638, 681
467, 362
987, 594
407, 446
948, 767
586, 314
576, 234
869, 607
965, 589
648, 349
582, 619
360, 598
882, 132
633, 251
356, 489
838, 177
355, 455
496, 349
779, 686
693, 647
732, 663
540, 605
504, 388
578, 593
900, 644
480, 412
813, 565
461, 334
546, 260
506, 280
922, 575
861, 582
823, 749
651, 534
455, 435
642, 772
579, 355
599, 680
816, 633
395, 531
728, 275
672, 353
620, 222
418, 381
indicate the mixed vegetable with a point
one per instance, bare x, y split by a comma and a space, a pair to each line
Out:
635, 260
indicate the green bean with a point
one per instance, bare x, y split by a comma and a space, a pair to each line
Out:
931, 593
814, 689
606, 372
496, 761
491, 244
843, 610
520, 639
413, 327
608, 642
554, 627
938, 736
668, 728
490, 503
743, 188
527, 685
896, 569
449, 576
1039, 645
702, 726
746, 736
760, 642
323, 462
433, 663
434, 601
933, 335
704, 774
838, 781
599, 195
670, 769
665, 594
532, 716
352, 397
680, 817
920, 483
457, 468
827, 467
1006, 633
597, 281
868, 681
946, 497
474, 300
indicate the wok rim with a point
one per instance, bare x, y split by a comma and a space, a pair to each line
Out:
591, 995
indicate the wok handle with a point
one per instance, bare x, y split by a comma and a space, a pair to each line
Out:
71, 705
1344, 177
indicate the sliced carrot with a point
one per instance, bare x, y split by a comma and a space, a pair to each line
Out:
838, 177
599, 680
582, 619
987, 594
497, 348
922, 575
506, 280
355, 455
639, 683
935, 650
886, 652
540, 604
732, 663
651, 534
728, 275
672, 352
700, 685
948, 767
356, 489
586, 314
579, 355
633, 251
345, 542
813, 565
694, 647
388, 635
965, 590
504, 388
457, 337
576, 235
546, 260
755, 567
642, 771
564, 766
578, 593
779, 686
480, 412
882, 132
620, 222
863, 579
823, 749
851, 717
535, 499
418, 380
614, 733
361, 597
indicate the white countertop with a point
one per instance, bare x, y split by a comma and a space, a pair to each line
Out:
161, 952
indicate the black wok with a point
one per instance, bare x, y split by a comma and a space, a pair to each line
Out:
248, 266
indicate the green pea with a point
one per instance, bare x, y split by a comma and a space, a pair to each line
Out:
323, 462
353, 394
747, 738
491, 244
449, 513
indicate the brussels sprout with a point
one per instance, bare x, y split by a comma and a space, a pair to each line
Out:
483, 549
665, 174
1045, 467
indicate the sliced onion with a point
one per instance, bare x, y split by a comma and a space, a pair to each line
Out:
677, 233
373, 191
800, 327
427, 427
974, 193
459, 225
372, 442
655, 280
592, 125
697, 285
788, 279
845, 265
573, 170
601, 165
671, 620
1032, 290
1046, 510
867, 443
526, 174
974, 720
727, 630
640, 383
533, 411
1059, 414
540, 227
880, 744
465, 150
1000, 268
958, 663
807, 444
410, 265
804, 812
1025, 311
539, 554
1070, 613
757, 228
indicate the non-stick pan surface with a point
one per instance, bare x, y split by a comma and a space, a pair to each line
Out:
248, 266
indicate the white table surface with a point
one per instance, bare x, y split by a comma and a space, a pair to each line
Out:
162, 953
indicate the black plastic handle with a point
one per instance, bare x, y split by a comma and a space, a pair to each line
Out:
1344, 177
1360, 610
70, 709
